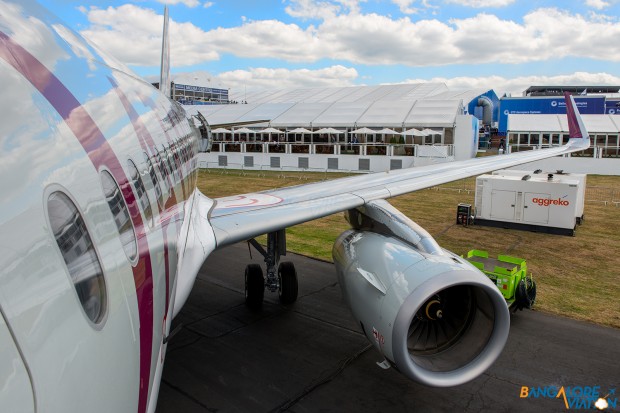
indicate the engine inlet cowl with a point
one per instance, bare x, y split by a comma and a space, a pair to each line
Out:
437, 318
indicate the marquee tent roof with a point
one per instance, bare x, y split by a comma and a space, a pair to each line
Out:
421, 105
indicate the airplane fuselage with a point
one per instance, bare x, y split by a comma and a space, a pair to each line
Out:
96, 168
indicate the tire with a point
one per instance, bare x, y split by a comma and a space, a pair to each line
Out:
525, 294
254, 286
287, 275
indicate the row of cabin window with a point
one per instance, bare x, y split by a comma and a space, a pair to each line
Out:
74, 241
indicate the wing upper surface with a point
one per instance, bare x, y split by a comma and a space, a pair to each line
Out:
239, 218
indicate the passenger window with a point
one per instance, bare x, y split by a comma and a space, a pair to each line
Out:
184, 152
158, 168
143, 198
163, 172
151, 170
119, 209
171, 165
79, 254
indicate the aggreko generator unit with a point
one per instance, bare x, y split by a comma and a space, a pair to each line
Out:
557, 176
549, 203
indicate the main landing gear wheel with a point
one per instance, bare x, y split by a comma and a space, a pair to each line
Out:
254, 286
287, 277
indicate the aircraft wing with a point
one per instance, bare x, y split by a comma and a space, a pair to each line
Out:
239, 218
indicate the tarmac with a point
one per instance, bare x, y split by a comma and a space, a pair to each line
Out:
312, 357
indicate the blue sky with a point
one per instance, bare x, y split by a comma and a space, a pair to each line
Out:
246, 45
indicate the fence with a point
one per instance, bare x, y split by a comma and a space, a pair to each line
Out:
284, 172
607, 196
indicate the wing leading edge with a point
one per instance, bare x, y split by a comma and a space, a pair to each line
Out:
235, 219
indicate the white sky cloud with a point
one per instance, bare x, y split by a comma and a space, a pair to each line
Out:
597, 4
312, 9
188, 3
406, 6
482, 3
517, 85
110, 28
361, 38
261, 78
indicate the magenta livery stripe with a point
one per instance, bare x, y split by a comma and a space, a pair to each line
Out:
100, 153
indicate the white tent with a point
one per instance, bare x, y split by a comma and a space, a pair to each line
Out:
243, 130
329, 130
364, 130
387, 131
220, 130
300, 130
431, 132
414, 132
270, 130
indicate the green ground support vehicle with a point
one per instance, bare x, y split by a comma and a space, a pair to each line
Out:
510, 276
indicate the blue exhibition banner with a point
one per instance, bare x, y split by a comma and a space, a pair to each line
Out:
612, 107
546, 105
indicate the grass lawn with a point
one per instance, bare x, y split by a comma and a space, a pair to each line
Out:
577, 276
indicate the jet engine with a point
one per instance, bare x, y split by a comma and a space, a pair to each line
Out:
430, 313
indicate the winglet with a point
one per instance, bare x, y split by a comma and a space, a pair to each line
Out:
576, 128
164, 75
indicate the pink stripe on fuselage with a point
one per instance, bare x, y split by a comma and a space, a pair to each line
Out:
101, 154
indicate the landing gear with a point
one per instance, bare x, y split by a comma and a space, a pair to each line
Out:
287, 277
284, 280
254, 286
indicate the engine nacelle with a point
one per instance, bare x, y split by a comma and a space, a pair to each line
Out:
432, 315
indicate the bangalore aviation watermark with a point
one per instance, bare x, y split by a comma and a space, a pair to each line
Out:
574, 397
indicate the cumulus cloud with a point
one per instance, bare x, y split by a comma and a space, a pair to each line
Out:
483, 3
188, 3
516, 86
597, 4
110, 28
321, 9
406, 6
240, 81
370, 39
